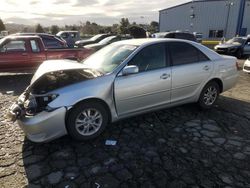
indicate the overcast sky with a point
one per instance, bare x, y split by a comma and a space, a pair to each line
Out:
61, 12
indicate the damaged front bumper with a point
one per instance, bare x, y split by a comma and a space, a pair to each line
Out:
42, 127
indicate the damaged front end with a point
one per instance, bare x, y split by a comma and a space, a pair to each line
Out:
39, 94
38, 120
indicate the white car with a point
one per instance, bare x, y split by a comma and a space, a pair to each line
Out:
246, 67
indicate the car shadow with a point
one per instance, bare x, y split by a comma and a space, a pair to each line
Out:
14, 84
155, 149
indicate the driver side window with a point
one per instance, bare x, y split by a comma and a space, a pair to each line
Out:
14, 46
150, 58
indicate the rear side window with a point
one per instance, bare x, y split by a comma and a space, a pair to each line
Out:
150, 58
52, 43
34, 46
183, 53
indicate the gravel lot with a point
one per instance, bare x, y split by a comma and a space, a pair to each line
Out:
178, 147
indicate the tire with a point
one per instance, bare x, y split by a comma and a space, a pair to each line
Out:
209, 95
87, 120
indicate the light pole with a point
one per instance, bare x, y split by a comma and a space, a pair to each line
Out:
192, 16
229, 4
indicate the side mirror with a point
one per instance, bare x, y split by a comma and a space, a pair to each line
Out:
131, 69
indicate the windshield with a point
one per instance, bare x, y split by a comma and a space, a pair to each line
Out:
95, 37
106, 40
110, 57
235, 41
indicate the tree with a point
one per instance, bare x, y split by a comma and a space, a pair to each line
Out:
39, 29
115, 28
154, 27
137, 32
2, 26
54, 29
124, 25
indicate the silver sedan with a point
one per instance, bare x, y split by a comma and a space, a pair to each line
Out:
121, 80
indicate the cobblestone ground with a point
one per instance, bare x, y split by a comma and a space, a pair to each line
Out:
177, 147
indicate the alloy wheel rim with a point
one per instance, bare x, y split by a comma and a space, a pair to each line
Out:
210, 95
88, 122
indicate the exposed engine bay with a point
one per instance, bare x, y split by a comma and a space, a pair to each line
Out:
38, 95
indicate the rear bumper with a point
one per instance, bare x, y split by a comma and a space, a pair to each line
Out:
45, 126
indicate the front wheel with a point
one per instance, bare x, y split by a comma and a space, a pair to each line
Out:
209, 95
87, 120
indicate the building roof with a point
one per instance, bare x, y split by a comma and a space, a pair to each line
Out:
194, 1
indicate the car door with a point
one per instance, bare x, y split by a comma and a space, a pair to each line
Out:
149, 87
37, 56
13, 55
190, 69
246, 48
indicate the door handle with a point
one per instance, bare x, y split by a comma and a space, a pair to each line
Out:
165, 76
24, 54
206, 68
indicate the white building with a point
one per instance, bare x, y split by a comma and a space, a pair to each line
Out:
212, 18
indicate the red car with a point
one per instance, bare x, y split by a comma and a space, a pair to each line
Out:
23, 53
50, 41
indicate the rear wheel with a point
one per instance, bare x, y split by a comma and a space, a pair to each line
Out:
209, 95
87, 120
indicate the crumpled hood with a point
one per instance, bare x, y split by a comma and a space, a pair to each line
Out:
56, 65
228, 45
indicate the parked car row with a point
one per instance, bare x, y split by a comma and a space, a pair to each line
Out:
123, 79
92, 40
104, 42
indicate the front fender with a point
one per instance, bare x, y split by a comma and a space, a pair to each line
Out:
99, 88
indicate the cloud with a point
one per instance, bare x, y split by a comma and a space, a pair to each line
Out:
63, 12
82, 3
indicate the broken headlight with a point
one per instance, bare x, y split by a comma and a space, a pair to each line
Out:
37, 103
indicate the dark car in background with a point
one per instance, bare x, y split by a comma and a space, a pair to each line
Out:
92, 40
105, 42
176, 35
237, 46
50, 41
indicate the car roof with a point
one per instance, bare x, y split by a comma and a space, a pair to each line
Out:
147, 41
62, 32
32, 34
21, 36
